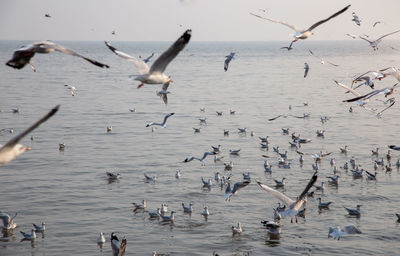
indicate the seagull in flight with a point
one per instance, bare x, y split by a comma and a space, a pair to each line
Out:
189, 159
294, 205
12, 148
356, 19
148, 59
374, 44
228, 60
300, 33
322, 61
238, 185
23, 55
163, 124
352, 36
163, 93
306, 68
8, 222
155, 73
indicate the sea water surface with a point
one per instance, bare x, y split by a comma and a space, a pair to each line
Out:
69, 191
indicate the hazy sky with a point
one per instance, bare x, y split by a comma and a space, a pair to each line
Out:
210, 20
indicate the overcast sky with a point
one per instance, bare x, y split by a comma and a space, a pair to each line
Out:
210, 20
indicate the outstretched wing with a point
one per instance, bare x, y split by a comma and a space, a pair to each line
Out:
380, 38
348, 88
330, 17
63, 49
167, 116
17, 138
278, 21
365, 39
162, 62
140, 65
286, 200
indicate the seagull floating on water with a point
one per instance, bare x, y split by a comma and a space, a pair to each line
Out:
155, 73
101, 239
30, 236
113, 176
141, 206
338, 232
237, 230
118, 249
41, 228
354, 212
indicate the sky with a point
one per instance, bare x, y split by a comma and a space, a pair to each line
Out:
210, 20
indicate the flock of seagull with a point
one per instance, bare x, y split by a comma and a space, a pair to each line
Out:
292, 208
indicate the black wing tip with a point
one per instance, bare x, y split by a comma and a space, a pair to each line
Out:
187, 35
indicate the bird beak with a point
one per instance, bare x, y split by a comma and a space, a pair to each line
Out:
28, 149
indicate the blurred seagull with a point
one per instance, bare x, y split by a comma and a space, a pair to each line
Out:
374, 44
306, 68
8, 222
228, 60
148, 59
354, 212
149, 179
47, 15
12, 148
323, 205
41, 228
304, 34
188, 159
322, 60
23, 56
237, 230
101, 239
238, 185
141, 206
338, 232
164, 92
188, 209
356, 19
118, 248
155, 73
293, 205
30, 236
113, 176
163, 124
155, 214
170, 218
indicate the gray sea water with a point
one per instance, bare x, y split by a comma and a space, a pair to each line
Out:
70, 192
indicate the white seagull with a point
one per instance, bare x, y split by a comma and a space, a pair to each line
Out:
101, 239
41, 228
294, 205
300, 33
155, 73
30, 236
163, 124
228, 60
322, 60
163, 93
238, 185
338, 232
12, 148
8, 222
356, 19
23, 56
188, 159
374, 44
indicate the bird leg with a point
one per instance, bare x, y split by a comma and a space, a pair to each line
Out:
140, 85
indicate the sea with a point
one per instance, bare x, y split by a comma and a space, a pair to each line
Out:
70, 192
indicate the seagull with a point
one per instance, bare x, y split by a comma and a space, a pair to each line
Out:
23, 56
206, 183
155, 73
306, 68
334, 180
320, 133
113, 176
242, 130
356, 19
338, 232
288, 47
197, 130
170, 218
217, 159
149, 179
267, 166
61, 146
226, 132
163, 93
47, 15
219, 113
205, 212
178, 174
376, 23
141, 206
30, 236
148, 59
322, 205
354, 212
216, 149
293, 205
163, 124
320, 187
367, 79
280, 208
101, 239
238, 185
8, 222
374, 44
118, 249
352, 36
109, 129
41, 228
234, 151
272, 226
164, 208
203, 120
304, 34
344, 150
237, 230
187, 209
188, 159
12, 148
322, 61
246, 176
228, 59
155, 214
232, 112
363, 99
